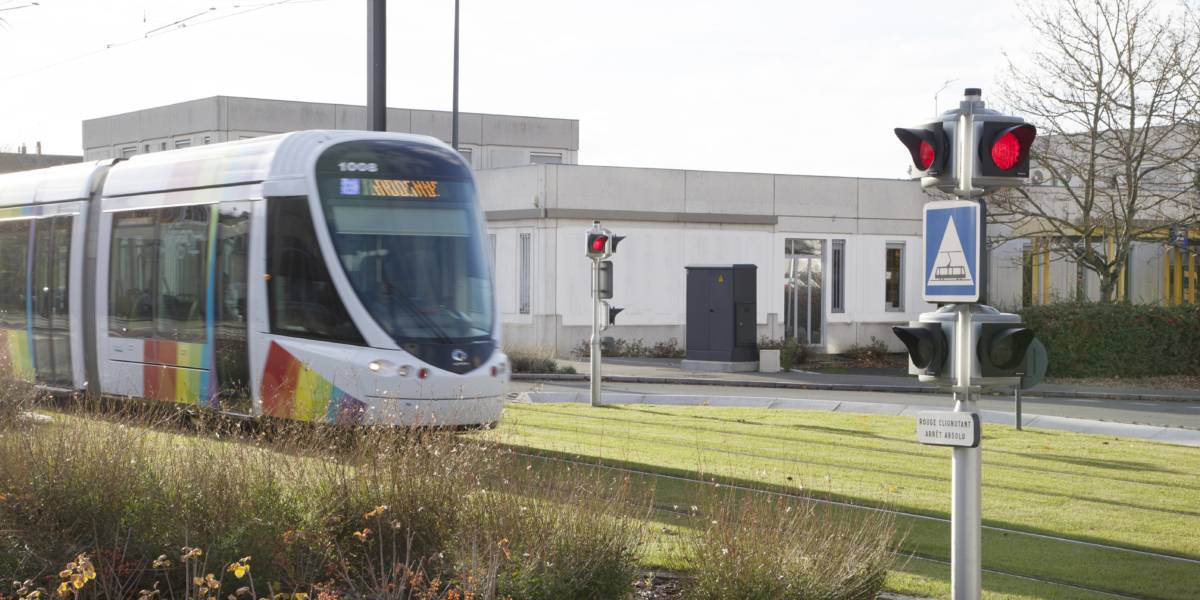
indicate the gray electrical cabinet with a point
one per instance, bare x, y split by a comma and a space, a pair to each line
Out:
721, 314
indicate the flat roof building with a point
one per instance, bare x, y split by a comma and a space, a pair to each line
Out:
23, 161
487, 141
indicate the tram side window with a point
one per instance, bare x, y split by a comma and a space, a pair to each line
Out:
304, 301
182, 275
157, 275
14, 249
133, 262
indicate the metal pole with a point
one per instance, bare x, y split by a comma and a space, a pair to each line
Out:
377, 65
454, 116
966, 506
595, 351
1017, 397
985, 253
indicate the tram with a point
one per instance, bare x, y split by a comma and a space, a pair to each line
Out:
330, 276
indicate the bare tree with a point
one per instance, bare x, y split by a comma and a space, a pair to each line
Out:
1114, 88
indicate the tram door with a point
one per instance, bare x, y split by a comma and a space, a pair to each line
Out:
802, 290
50, 308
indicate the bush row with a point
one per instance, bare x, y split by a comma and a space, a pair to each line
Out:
116, 510
1117, 340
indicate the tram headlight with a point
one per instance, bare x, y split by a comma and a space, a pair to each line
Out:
383, 367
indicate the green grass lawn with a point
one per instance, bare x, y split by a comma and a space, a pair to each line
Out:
1112, 492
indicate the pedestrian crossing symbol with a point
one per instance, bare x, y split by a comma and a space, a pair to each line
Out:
951, 251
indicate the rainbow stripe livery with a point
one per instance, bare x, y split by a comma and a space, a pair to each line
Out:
292, 390
16, 355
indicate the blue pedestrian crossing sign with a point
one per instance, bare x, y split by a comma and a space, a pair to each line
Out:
951, 251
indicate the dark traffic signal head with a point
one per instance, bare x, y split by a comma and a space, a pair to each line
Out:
1001, 348
1004, 149
612, 247
927, 347
597, 245
928, 147
612, 314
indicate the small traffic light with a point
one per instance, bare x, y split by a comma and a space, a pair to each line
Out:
1004, 148
1001, 348
929, 147
927, 347
612, 314
597, 245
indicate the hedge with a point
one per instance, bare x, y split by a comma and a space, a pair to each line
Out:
1117, 340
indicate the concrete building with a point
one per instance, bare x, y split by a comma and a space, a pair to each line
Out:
488, 141
836, 256
23, 161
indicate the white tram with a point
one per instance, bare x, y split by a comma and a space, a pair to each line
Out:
320, 275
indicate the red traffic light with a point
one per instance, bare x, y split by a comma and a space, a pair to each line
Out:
1004, 149
598, 242
926, 155
928, 147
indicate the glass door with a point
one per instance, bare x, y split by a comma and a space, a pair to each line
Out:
51, 314
803, 317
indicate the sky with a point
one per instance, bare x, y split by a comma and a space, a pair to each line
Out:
751, 85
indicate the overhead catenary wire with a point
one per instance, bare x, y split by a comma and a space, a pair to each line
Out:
157, 32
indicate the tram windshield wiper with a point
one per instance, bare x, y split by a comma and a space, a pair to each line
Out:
393, 293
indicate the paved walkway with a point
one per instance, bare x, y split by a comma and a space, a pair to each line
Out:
668, 371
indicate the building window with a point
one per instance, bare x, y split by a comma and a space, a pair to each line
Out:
893, 283
145, 147
128, 151
524, 249
183, 143
492, 253
545, 158
162, 145
207, 139
466, 154
1027, 275
837, 267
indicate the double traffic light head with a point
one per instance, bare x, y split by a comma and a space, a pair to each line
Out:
1001, 342
997, 147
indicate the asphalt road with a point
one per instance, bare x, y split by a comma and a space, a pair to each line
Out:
1169, 414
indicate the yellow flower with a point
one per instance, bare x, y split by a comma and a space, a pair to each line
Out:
63, 589
239, 569
78, 581
300, 596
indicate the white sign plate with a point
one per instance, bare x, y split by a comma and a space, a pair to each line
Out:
948, 428
951, 265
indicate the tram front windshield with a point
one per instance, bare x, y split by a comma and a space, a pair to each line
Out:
412, 249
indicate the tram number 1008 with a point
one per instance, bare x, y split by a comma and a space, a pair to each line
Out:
365, 167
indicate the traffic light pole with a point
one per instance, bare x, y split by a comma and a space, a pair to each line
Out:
595, 341
966, 506
966, 510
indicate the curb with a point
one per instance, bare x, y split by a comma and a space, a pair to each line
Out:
842, 387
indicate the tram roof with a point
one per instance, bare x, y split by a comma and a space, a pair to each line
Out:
52, 184
280, 162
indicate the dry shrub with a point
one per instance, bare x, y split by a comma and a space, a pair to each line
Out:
578, 537
757, 547
421, 514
